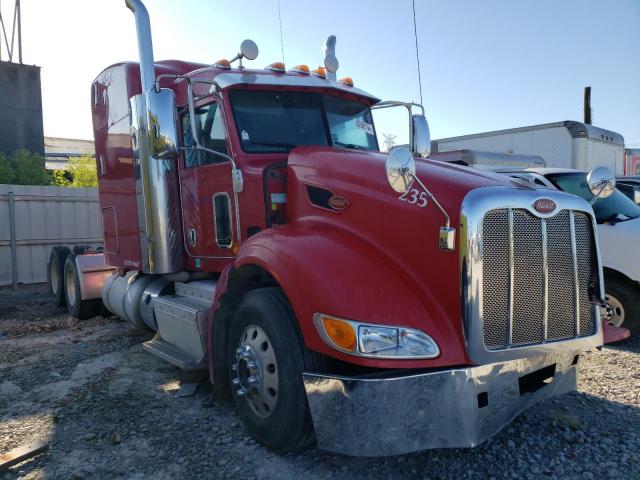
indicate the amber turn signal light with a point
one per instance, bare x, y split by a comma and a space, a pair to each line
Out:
340, 332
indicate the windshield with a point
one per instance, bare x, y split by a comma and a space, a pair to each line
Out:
271, 122
617, 207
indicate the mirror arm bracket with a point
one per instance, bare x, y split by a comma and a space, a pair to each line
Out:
447, 238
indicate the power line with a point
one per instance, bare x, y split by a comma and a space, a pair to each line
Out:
415, 34
280, 22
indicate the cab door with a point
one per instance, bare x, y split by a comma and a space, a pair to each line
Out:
206, 188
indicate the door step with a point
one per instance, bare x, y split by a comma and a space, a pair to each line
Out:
172, 354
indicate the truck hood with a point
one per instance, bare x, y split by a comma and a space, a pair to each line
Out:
395, 233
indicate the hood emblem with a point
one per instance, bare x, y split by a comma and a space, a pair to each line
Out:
339, 203
544, 205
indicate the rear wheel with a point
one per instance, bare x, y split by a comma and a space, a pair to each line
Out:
77, 307
622, 304
266, 359
55, 274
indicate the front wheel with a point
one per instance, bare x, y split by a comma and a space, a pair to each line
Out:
266, 360
622, 305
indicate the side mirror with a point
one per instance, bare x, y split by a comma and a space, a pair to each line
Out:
400, 169
421, 142
163, 130
602, 183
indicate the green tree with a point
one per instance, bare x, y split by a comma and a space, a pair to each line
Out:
61, 178
6, 170
83, 171
29, 168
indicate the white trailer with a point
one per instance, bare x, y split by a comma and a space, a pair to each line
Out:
567, 144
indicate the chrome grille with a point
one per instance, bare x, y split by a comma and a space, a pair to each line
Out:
537, 276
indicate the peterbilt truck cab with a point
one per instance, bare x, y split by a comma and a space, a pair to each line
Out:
377, 303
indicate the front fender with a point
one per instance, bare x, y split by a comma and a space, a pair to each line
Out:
323, 268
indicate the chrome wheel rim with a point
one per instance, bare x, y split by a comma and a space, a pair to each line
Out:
613, 311
53, 274
70, 286
255, 371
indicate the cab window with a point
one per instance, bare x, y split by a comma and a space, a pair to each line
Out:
211, 133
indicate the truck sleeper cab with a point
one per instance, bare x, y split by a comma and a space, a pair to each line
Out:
376, 303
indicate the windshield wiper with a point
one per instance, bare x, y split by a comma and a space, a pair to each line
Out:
349, 145
275, 144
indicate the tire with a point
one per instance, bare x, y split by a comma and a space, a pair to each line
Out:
55, 274
623, 304
78, 308
265, 322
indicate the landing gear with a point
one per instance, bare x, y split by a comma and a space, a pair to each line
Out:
266, 360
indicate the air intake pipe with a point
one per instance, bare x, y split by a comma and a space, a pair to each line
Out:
156, 180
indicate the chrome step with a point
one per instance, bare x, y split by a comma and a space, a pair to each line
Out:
172, 354
182, 323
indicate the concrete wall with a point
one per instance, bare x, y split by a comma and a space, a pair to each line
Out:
43, 217
20, 108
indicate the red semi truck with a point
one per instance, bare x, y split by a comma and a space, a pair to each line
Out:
377, 303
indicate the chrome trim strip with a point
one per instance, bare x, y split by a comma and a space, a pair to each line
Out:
474, 206
545, 279
511, 280
576, 283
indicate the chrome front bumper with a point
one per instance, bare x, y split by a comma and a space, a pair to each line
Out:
393, 415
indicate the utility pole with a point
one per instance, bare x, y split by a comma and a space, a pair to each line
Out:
587, 105
16, 29
389, 141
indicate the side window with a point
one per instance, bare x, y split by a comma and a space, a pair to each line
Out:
211, 134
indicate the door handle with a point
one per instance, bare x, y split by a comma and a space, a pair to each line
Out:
192, 236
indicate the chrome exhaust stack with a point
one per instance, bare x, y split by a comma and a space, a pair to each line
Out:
156, 181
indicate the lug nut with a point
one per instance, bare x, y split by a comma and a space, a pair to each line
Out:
252, 380
252, 364
236, 381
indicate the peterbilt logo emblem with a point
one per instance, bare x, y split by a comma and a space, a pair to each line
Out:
339, 203
544, 205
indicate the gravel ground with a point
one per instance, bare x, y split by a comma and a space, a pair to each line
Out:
109, 410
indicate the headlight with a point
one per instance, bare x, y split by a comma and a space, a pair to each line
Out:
375, 341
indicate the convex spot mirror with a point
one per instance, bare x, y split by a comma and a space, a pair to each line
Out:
249, 49
400, 169
602, 182
163, 130
421, 135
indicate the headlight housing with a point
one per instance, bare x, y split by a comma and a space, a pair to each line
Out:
375, 341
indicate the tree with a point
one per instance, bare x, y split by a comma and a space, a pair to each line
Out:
6, 171
83, 172
23, 168
61, 178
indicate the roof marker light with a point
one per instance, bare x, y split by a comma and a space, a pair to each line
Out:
276, 67
303, 69
222, 63
319, 72
347, 81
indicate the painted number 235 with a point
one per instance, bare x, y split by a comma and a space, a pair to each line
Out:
415, 197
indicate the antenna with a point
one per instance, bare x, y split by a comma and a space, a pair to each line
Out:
415, 34
16, 27
280, 22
